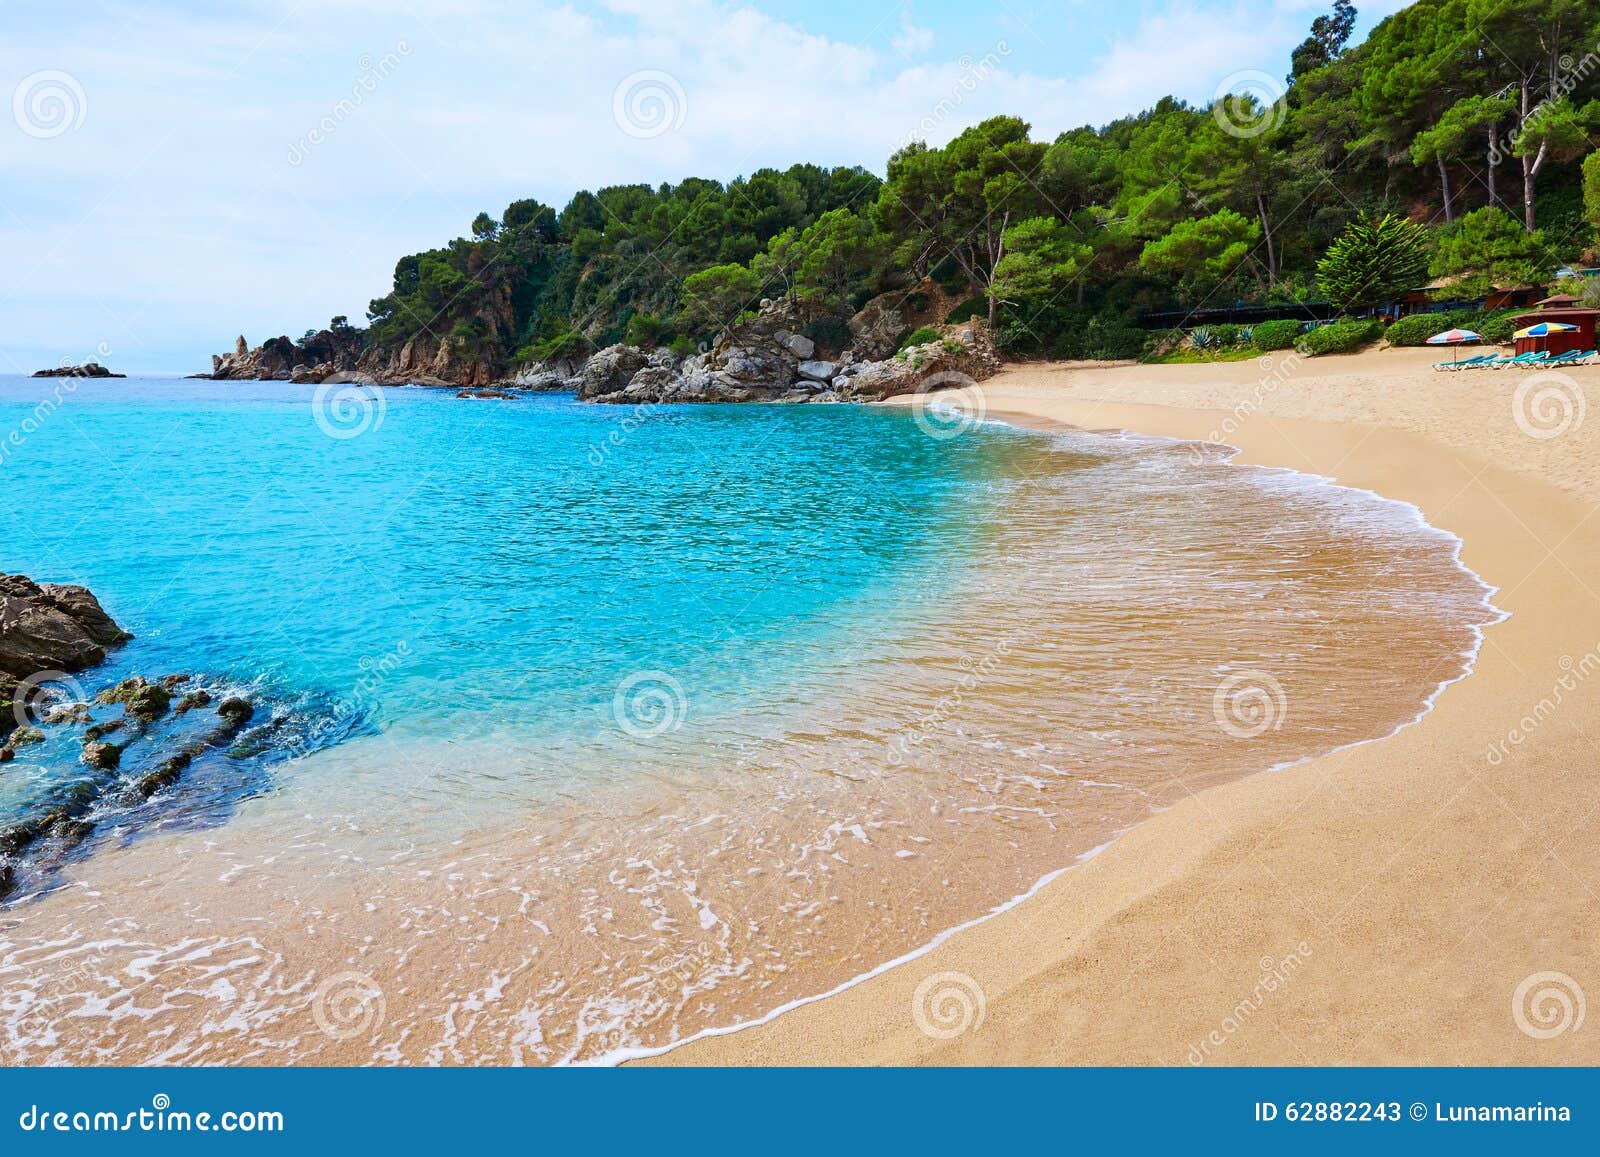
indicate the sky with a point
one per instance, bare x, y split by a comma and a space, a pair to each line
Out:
175, 175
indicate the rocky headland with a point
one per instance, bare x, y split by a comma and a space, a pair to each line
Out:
788, 350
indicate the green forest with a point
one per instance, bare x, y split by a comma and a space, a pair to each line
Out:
1457, 143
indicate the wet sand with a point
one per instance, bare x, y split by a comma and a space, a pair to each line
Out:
1429, 898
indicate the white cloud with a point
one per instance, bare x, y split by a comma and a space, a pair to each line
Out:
911, 40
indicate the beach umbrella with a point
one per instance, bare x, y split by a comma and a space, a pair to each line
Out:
1545, 329
1453, 337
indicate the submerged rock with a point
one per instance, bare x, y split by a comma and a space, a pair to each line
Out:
141, 699
164, 775
105, 756
190, 701
69, 713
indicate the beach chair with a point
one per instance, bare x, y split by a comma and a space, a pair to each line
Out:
1467, 363
1530, 359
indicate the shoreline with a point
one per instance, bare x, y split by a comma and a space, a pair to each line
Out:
1026, 420
870, 1021
1021, 791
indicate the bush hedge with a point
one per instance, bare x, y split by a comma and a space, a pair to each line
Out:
1341, 337
1275, 335
1419, 327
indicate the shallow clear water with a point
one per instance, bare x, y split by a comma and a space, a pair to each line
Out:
442, 568
650, 734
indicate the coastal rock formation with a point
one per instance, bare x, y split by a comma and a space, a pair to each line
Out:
610, 370
87, 370
341, 353
559, 373
273, 360
149, 756
48, 627
792, 349
765, 359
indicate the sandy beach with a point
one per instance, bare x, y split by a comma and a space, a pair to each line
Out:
1428, 898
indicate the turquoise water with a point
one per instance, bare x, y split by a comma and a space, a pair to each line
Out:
430, 568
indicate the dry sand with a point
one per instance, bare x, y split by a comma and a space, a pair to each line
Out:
1381, 905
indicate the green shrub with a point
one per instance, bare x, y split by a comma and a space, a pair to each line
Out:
918, 337
1341, 337
972, 307
829, 332
1227, 335
1497, 328
684, 346
1112, 338
1275, 335
644, 330
1415, 330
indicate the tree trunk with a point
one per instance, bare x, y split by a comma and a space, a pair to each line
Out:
1530, 165
1444, 187
1266, 233
1530, 169
997, 250
1494, 152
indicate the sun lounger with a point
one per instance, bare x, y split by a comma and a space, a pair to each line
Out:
1468, 363
1531, 359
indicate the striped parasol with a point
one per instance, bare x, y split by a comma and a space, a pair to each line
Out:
1545, 329
1454, 337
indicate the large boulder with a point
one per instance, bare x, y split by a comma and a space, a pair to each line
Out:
48, 627
818, 371
963, 351
51, 628
610, 370
798, 344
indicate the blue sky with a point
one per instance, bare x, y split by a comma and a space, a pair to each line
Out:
173, 175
